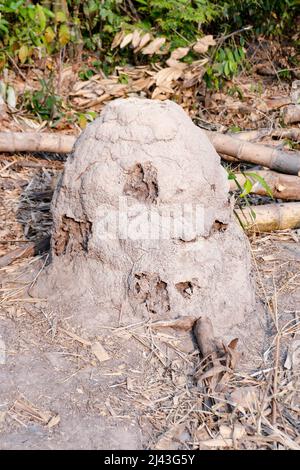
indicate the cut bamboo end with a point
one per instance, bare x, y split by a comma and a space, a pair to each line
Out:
270, 217
282, 186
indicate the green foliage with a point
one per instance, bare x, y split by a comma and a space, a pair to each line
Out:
250, 178
178, 20
226, 63
44, 103
29, 30
270, 17
32, 29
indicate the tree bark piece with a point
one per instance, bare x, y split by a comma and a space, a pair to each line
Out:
270, 217
282, 186
31, 249
274, 159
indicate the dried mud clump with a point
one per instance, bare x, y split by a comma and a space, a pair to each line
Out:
118, 247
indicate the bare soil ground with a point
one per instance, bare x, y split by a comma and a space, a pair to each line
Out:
57, 392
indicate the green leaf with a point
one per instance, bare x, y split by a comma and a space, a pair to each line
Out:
64, 35
60, 17
226, 69
23, 53
247, 188
41, 17
262, 181
49, 35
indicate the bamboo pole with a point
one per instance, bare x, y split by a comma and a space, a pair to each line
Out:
278, 160
282, 186
270, 217
36, 142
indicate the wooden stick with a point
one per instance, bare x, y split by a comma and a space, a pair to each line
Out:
278, 160
282, 186
270, 217
31, 249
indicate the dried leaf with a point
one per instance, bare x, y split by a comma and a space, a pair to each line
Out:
293, 356
203, 44
145, 39
170, 439
212, 372
235, 433
154, 46
218, 442
233, 343
127, 40
179, 53
245, 398
11, 97
136, 37
175, 64
117, 39
54, 421
165, 76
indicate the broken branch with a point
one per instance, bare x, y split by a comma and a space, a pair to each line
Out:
31, 249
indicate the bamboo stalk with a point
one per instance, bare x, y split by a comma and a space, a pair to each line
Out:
278, 160
270, 217
36, 142
282, 186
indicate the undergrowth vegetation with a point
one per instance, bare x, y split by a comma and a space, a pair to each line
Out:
30, 30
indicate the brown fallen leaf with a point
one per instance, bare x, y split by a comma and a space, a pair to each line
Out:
136, 38
217, 442
203, 44
54, 421
154, 46
179, 53
171, 438
126, 40
166, 76
144, 40
117, 39
244, 398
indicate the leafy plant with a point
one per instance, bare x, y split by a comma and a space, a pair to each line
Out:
250, 178
225, 65
44, 103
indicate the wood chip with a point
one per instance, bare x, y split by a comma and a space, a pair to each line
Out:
99, 352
